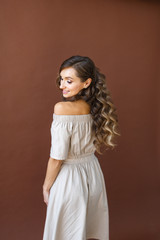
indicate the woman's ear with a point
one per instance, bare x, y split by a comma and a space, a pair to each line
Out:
87, 82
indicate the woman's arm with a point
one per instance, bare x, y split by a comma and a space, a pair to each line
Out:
53, 169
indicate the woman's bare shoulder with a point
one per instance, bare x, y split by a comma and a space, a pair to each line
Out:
61, 108
71, 108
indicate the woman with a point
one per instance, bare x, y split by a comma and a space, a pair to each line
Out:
74, 188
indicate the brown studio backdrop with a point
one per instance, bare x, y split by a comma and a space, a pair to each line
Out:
122, 38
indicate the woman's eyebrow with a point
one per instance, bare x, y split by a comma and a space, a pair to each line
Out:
66, 77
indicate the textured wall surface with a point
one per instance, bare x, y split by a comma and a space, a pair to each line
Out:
122, 37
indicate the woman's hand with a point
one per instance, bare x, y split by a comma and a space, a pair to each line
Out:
46, 196
53, 169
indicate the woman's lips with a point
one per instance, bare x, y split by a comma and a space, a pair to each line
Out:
64, 92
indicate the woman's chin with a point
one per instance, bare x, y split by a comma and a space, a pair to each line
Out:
65, 95
68, 95
69, 98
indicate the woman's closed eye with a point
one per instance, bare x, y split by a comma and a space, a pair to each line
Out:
69, 81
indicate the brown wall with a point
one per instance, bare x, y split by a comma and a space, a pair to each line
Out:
122, 38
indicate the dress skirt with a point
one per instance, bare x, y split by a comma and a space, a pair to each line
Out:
77, 207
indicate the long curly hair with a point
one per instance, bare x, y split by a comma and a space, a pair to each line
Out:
97, 95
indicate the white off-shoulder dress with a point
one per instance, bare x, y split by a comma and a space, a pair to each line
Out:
77, 208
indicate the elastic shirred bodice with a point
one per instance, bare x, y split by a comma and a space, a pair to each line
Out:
72, 136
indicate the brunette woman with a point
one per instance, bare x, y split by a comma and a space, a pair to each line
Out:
74, 187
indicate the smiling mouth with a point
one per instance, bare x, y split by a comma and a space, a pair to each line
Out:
64, 92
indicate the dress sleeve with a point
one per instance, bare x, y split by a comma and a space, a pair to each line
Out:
60, 139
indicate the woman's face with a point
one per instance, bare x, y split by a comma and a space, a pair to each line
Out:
70, 83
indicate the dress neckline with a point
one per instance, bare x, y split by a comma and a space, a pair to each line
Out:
72, 114
73, 118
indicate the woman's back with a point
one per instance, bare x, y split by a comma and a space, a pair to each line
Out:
73, 122
72, 136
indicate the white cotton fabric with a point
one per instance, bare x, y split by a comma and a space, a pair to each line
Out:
77, 208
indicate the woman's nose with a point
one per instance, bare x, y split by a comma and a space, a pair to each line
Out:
61, 84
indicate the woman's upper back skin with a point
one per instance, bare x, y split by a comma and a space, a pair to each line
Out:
79, 107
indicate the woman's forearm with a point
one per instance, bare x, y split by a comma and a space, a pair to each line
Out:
53, 169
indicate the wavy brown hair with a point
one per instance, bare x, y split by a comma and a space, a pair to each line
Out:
97, 95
